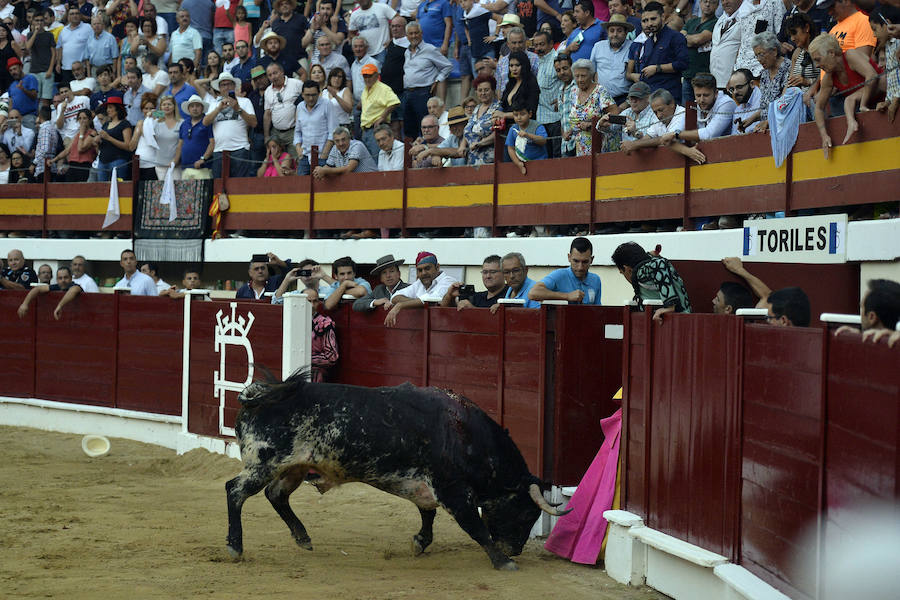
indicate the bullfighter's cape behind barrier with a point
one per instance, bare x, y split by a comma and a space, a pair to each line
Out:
579, 535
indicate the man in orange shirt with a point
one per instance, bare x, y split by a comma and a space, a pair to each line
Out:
852, 30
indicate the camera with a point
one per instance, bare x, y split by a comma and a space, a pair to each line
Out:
466, 292
305, 272
617, 119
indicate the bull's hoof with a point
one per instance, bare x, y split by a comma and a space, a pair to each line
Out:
235, 554
507, 566
305, 543
419, 545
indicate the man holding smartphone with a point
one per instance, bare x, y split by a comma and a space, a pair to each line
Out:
231, 118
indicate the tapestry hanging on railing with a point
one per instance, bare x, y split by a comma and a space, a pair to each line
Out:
172, 229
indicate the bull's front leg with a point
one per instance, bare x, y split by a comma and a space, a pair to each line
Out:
425, 536
464, 510
246, 484
278, 493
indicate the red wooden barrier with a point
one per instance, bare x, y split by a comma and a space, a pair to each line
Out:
741, 438
150, 354
18, 345
264, 335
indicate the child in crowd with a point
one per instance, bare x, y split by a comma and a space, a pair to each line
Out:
526, 139
243, 28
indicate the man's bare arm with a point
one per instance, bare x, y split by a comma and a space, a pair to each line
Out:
759, 288
70, 295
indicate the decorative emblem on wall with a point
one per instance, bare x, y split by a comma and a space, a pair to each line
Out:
231, 330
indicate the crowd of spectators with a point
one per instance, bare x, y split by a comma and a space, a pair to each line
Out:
85, 86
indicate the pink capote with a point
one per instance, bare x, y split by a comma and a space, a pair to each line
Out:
578, 535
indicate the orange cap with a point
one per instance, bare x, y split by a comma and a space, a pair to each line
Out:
369, 69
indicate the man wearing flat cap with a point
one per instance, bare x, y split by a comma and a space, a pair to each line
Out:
431, 282
388, 269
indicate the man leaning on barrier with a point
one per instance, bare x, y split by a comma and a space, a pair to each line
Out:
574, 283
432, 283
653, 278
387, 268
63, 284
518, 283
17, 275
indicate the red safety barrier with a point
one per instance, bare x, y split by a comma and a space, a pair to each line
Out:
18, 346
741, 438
217, 353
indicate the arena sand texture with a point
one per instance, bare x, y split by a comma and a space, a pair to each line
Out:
143, 523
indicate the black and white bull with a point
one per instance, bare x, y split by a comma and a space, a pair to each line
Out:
430, 446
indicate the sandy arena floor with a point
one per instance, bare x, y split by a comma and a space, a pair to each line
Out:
144, 523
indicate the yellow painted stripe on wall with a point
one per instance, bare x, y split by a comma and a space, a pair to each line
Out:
362, 200
737, 174
544, 192
21, 206
867, 157
265, 203
645, 183
451, 195
86, 206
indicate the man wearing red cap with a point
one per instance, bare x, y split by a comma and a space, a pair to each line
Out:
377, 102
23, 92
431, 282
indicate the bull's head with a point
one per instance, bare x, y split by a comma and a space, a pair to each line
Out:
510, 517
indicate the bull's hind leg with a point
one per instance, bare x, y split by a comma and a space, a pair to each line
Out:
461, 507
425, 536
246, 484
278, 493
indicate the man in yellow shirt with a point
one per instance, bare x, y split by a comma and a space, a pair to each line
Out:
376, 103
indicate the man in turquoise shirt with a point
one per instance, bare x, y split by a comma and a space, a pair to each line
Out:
574, 284
515, 271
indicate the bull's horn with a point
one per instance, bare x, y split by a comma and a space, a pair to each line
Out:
535, 492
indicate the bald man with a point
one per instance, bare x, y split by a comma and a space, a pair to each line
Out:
17, 276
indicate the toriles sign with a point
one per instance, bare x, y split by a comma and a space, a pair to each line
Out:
797, 239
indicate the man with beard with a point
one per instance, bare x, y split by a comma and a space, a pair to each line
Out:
573, 284
664, 54
610, 57
245, 61
714, 115
747, 98
495, 288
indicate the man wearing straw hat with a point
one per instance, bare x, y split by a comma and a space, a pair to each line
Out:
273, 47
611, 55
231, 119
196, 145
388, 269
447, 153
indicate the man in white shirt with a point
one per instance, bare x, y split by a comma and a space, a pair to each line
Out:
79, 276
372, 21
81, 84
670, 121
280, 103
65, 115
185, 42
17, 137
328, 58
747, 98
714, 119
152, 269
431, 282
154, 79
390, 155
133, 280
726, 42
231, 118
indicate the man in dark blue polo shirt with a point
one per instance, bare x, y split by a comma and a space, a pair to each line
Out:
195, 147
663, 56
574, 283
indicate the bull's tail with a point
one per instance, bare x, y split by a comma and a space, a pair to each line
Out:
272, 391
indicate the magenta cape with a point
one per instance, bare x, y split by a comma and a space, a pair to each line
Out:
578, 535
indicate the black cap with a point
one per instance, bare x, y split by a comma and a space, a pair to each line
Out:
263, 258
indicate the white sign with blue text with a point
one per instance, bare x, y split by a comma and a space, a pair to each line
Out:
797, 239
